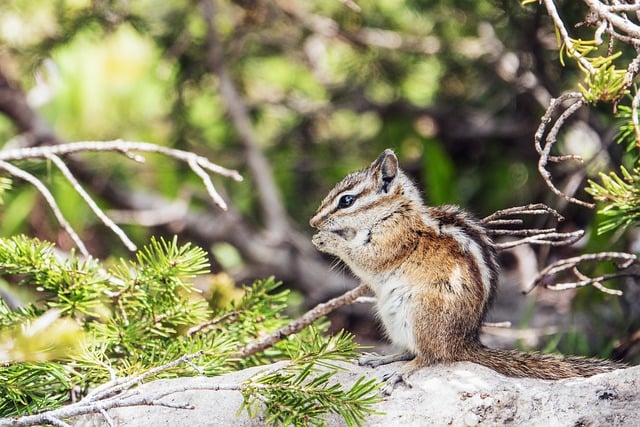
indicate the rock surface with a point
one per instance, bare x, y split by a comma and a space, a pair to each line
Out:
461, 394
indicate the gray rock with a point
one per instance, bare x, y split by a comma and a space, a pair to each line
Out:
461, 394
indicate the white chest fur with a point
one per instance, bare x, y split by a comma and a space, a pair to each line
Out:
395, 311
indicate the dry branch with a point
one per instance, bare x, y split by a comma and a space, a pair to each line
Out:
57, 161
534, 236
547, 135
51, 201
275, 214
303, 321
625, 262
198, 164
117, 394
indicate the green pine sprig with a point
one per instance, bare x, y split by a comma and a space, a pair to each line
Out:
620, 198
133, 316
302, 392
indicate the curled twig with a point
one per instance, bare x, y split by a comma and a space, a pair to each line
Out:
531, 209
547, 134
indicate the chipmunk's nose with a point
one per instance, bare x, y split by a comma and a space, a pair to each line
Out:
316, 220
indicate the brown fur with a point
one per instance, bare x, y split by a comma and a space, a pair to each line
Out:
434, 270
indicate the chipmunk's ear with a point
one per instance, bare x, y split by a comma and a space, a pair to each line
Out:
385, 168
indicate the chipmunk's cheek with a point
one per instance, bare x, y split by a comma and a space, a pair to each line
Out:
347, 233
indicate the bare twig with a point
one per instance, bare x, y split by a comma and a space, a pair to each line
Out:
625, 261
118, 145
531, 209
547, 239
596, 282
536, 236
199, 165
198, 328
51, 201
90, 202
115, 387
303, 321
605, 12
130, 399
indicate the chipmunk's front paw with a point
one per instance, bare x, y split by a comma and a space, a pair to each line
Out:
374, 360
324, 241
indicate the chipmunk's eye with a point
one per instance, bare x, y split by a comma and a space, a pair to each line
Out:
346, 201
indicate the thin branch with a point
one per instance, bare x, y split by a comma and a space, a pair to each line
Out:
119, 385
546, 239
623, 8
622, 24
531, 209
596, 282
90, 202
198, 328
51, 201
303, 321
625, 262
118, 145
564, 34
133, 398
547, 118
536, 236
206, 179
268, 193
198, 164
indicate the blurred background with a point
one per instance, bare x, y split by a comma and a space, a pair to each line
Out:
295, 94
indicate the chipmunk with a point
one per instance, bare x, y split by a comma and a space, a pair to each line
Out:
433, 270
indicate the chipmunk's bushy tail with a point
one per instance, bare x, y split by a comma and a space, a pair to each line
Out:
536, 365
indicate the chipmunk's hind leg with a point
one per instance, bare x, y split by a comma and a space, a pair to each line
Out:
374, 360
401, 376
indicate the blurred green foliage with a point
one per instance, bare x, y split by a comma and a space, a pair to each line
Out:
321, 105
452, 87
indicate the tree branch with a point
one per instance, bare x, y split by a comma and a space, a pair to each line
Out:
275, 215
51, 201
625, 260
537, 236
546, 138
303, 321
90, 202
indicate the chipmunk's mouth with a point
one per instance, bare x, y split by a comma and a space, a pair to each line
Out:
322, 237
